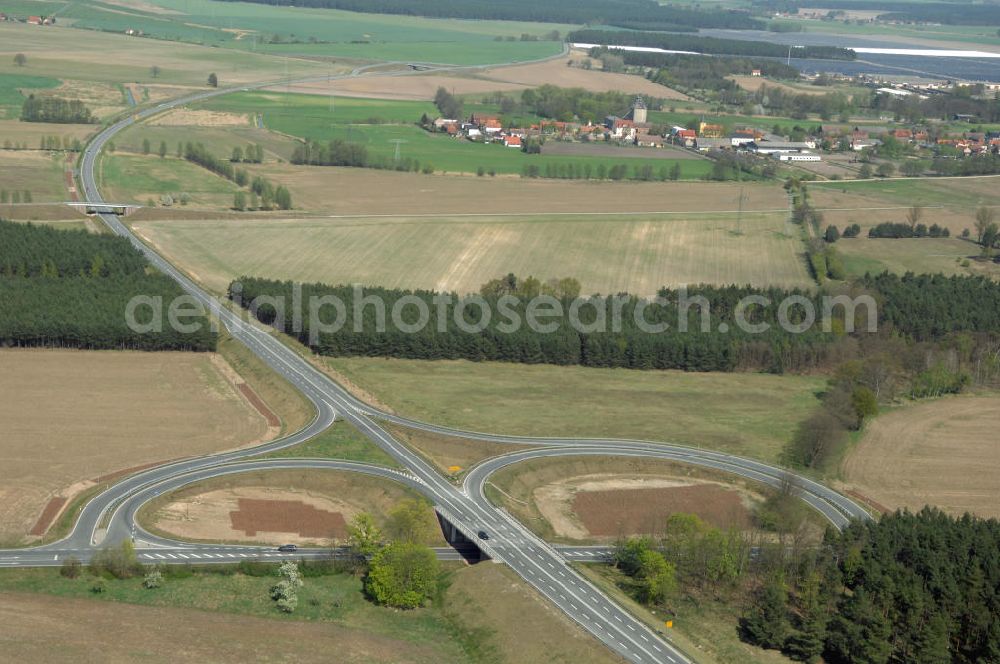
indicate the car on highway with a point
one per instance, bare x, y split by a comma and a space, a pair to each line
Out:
483, 535
288, 548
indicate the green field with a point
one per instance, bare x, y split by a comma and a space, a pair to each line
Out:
220, 140
65, 53
339, 441
310, 117
607, 254
139, 178
946, 255
751, 415
950, 192
11, 85
320, 32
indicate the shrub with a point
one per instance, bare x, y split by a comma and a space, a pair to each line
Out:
71, 568
153, 579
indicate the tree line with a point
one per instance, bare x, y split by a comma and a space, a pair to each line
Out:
563, 345
339, 152
56, 110
707, 45
263, 194
924, 312
71, 289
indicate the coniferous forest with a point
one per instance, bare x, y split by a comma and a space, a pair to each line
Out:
72, 288
924, 309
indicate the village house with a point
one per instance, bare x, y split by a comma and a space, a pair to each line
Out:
645, 139
711, 130
512, 141
686, 137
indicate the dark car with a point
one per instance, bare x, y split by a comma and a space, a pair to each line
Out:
288, 548
483, 535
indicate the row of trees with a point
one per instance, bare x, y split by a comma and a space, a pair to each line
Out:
263, 194
339, 152
15, 196
615, 172
564, 344
73, 288
925, 309
68, 143
253, 154
56, 110
890, 229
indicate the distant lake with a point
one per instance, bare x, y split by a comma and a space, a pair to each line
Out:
925, 66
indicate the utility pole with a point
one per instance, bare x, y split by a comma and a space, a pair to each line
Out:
739, 212
398, 142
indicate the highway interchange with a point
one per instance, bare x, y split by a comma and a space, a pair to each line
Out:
110, 516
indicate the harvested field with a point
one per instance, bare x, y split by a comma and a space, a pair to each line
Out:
32, 133
78, 411
182, 117
597, 499
357, 191
308, 507
40, 628
940, 453
638, 253
56, 214
506, 79
40, 173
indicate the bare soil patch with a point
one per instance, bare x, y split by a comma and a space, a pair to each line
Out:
307, 507
942, 453
200, 118
72, 415
607, 513
287, 516
39, 628
51, 511
600, 498
534, 75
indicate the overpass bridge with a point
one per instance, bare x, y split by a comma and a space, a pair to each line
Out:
94, 208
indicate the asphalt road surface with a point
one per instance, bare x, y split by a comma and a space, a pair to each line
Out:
110, 517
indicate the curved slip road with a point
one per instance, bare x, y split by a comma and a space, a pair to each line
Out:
535, 561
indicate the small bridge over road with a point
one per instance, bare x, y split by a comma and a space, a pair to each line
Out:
465, 541
121, 209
